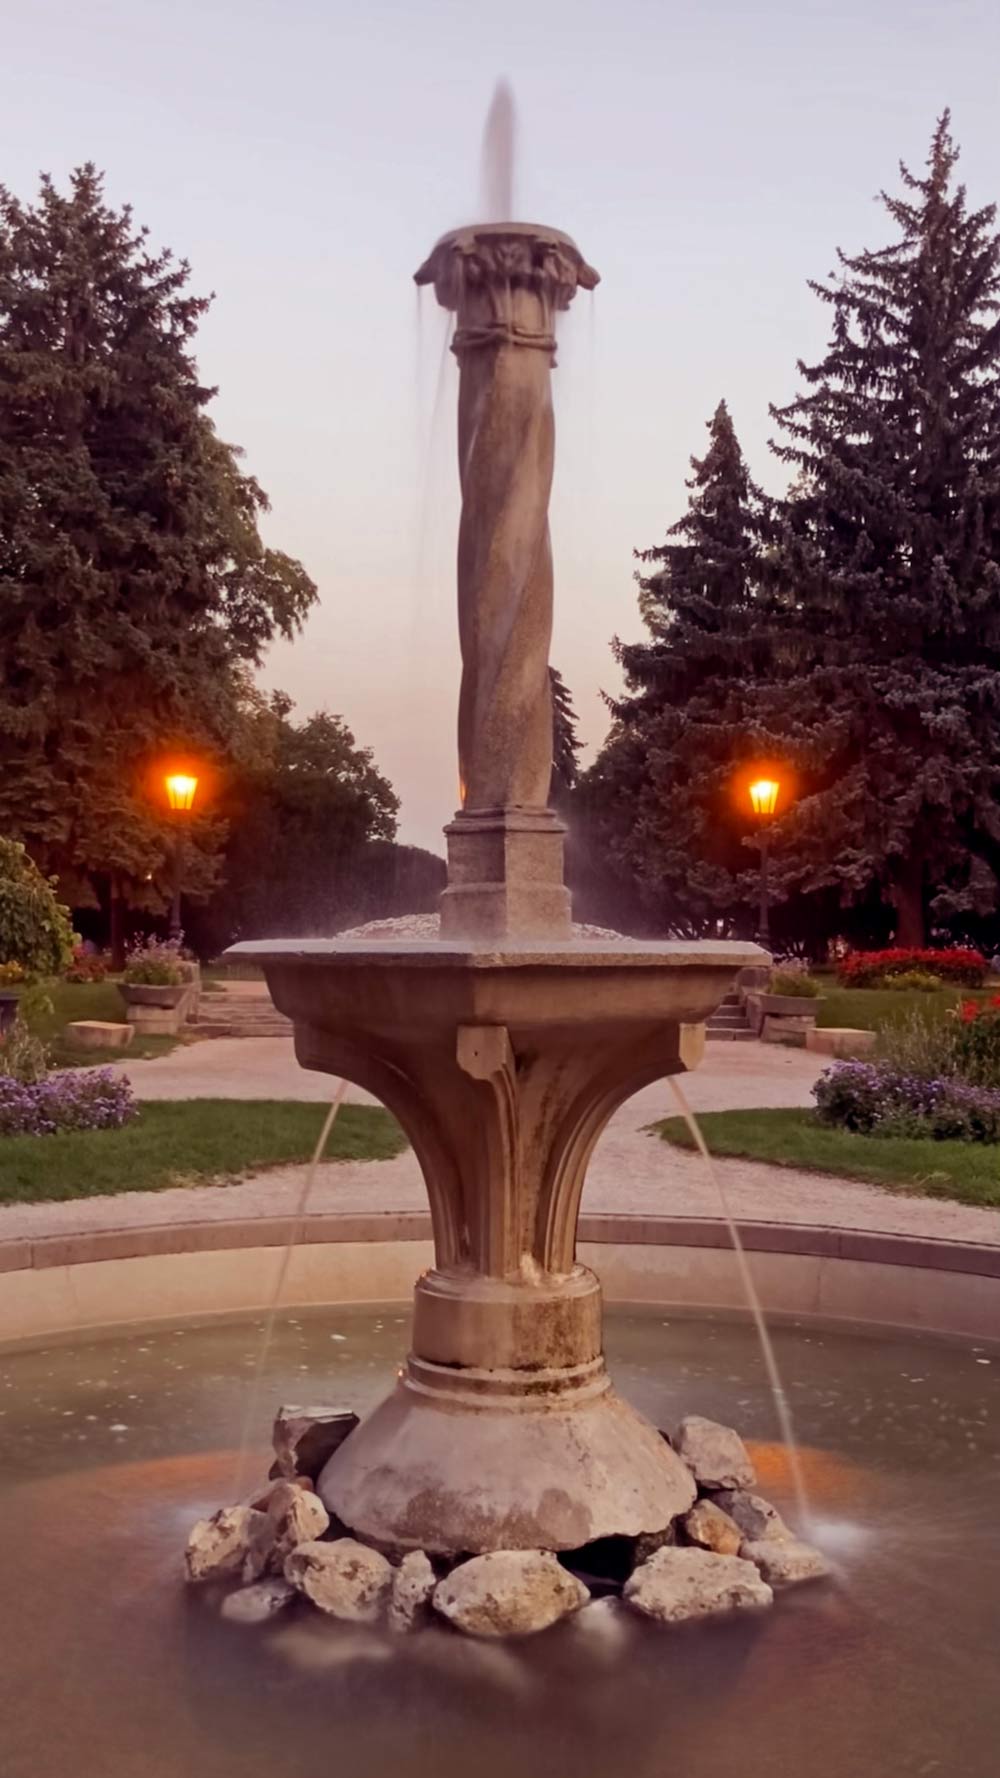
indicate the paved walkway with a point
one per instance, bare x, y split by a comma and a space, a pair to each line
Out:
733, 1076
632, 1173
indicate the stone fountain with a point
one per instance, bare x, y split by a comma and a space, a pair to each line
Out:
504, 1046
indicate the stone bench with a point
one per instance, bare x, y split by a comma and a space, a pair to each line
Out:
840, 1040
98, 1034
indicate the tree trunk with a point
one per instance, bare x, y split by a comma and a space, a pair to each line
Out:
908, 898
117, 922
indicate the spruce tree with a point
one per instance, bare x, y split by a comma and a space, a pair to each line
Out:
886, 574
660, 793
133, 580
565, 742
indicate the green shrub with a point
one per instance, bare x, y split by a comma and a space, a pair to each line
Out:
23, 1056
35, 929
919, 981
918, 1044
793, 981
975, 1042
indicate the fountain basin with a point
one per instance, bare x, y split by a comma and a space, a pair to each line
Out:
111, 1447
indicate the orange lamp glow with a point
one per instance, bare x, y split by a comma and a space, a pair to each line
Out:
181, 789
764, 796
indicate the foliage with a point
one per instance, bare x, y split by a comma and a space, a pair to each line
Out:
873, 1099
93, 1099
87, 966
310, 820
792, 980
35, 930
975, 1042
23, 1055
155, 963
884, 576
134, 585
658, 798
911, 981
918, 1044
869, 969
11, 974
173, 1143
565, 742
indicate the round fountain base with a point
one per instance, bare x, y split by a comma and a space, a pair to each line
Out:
458, 1461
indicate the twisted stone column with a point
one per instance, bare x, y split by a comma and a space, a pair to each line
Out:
506, 282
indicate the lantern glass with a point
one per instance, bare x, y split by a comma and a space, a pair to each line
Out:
181, 790
764, 796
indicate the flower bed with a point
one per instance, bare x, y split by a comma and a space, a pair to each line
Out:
92, 1099
873, 1099
867, 969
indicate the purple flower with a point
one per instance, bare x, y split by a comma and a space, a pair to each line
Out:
85, 1099
872, 1098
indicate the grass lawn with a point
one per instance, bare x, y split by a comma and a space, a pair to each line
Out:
869, 1009
90, 1000
188, 1142
966, 1171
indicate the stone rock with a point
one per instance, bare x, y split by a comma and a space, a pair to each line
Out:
344, 1578
649, 1542
676, 1584
785, 1561
715, 1455
219, 1546
509, 1593
413, 1584
294, 1515
755, 1516
262, 1499
305, 1438
259, 1603
712, 1529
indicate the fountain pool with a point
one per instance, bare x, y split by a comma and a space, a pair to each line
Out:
113, 1669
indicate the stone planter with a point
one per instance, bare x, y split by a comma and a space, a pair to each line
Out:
783, 1018
790, 1006
155, 1010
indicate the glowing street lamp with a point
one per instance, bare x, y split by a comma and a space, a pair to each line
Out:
764, 801
764, 795
181, 788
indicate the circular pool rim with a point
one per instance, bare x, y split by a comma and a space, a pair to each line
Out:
60, 1284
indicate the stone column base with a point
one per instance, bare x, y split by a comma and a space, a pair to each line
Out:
505, 876
459, 1461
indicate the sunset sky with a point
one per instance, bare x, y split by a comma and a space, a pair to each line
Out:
305, 156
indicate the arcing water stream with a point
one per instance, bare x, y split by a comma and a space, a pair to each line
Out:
781, 1405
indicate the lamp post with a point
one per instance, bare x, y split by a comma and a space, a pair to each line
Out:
763, 799
181, 788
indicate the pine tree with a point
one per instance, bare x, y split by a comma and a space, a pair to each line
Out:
565, 742
133, 580
886, 574
662, 787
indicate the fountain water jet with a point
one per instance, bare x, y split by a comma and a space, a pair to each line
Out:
504, 1047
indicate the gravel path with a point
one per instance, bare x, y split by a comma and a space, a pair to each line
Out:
632, 1173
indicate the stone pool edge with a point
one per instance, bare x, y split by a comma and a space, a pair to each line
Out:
67, 1283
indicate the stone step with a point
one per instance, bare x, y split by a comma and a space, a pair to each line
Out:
729, 1035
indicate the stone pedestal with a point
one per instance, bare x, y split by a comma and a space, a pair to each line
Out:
503, 1066
505, 876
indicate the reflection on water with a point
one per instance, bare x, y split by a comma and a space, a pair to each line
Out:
111, 1670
